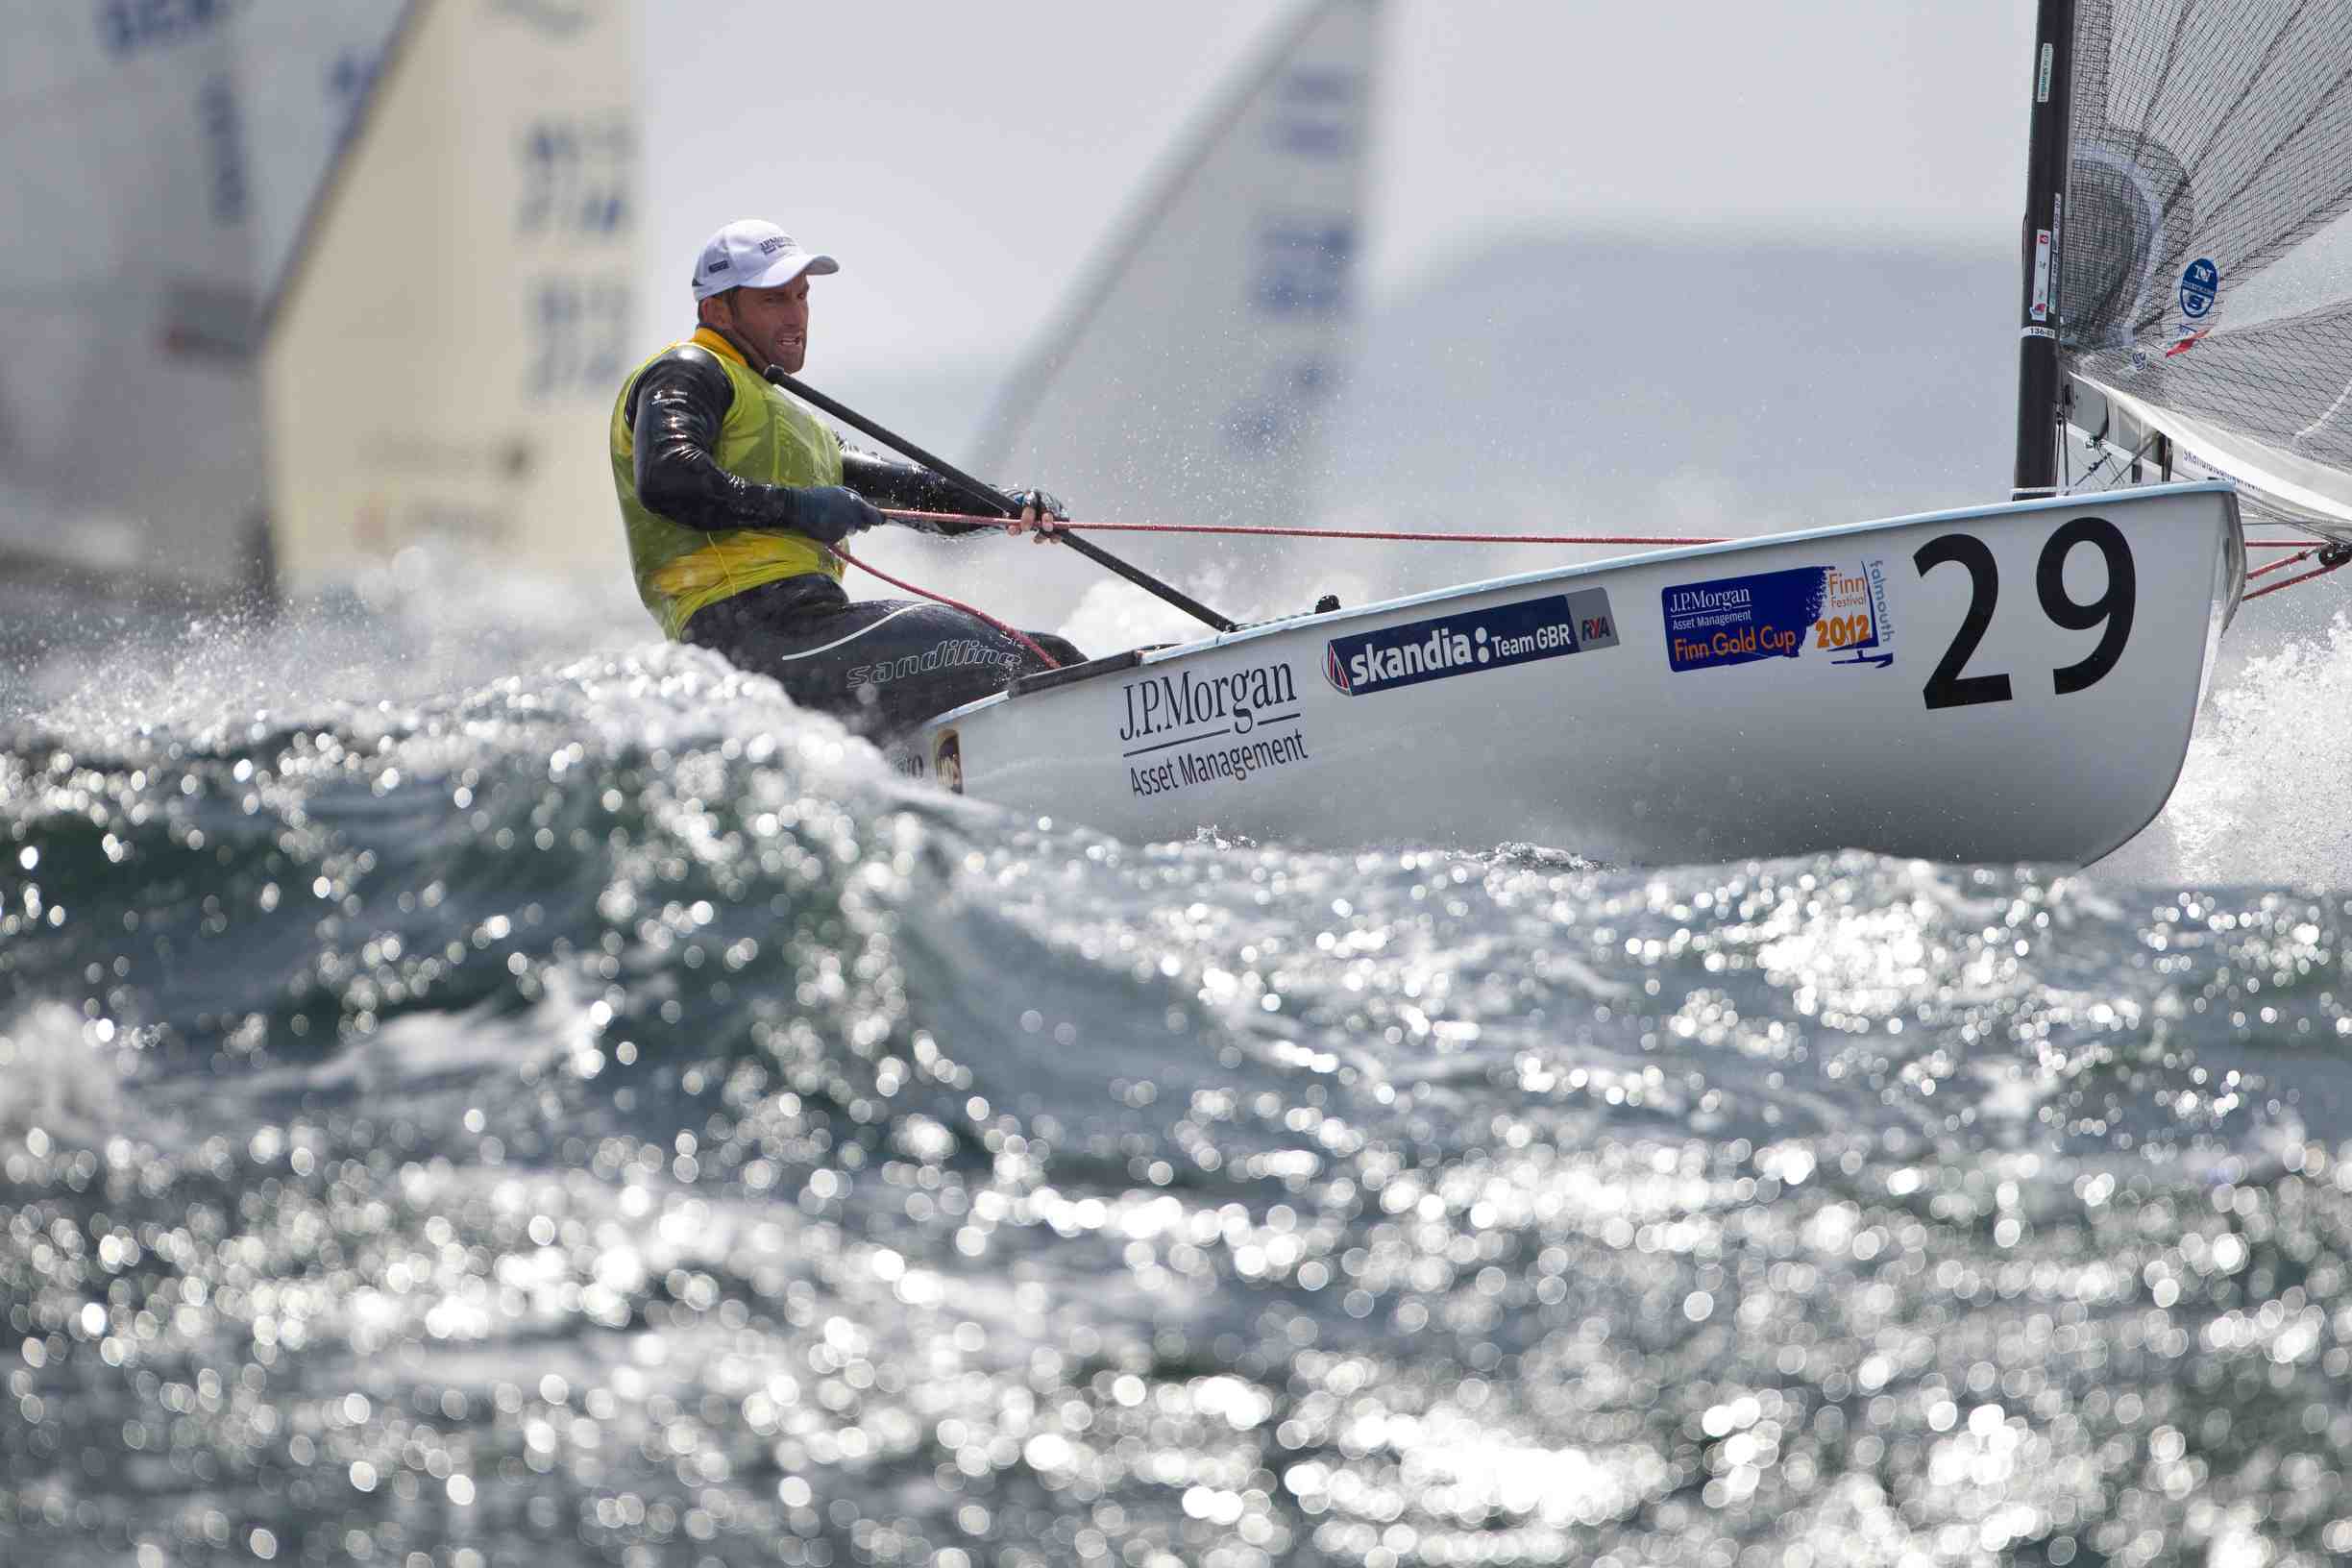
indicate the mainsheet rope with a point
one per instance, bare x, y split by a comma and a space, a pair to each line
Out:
1023, 638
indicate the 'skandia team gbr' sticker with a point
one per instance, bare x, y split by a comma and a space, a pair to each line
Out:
1470, 642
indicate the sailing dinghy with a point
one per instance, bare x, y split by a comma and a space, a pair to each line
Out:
2017, 681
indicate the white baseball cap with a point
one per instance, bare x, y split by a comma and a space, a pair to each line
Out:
748, 254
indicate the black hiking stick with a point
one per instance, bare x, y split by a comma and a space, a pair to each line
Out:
997, 504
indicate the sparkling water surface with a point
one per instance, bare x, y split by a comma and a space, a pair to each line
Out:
581, 1110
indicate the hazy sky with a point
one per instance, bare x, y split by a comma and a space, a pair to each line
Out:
964, 162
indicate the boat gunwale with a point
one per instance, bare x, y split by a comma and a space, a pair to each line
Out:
1649, 557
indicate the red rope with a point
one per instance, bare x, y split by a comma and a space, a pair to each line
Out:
2283, 564
2316, 571
1329, 534
1023, 638
2306, 549
1272, 533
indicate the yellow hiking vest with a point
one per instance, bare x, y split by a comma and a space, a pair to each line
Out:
765, 437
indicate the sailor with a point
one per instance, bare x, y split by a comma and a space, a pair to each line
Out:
732, 491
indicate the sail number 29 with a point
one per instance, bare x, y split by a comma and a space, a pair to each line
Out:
1948, 688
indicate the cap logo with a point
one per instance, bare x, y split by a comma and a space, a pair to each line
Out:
748, 252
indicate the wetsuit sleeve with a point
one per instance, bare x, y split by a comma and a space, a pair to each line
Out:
675, 411
913, 489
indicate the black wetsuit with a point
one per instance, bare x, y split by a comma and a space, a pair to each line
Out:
883, 665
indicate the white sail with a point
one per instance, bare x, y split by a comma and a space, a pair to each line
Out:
1190, 379
2286, 485
130, 426
2207, 246
307, 75
270, 259
463, 298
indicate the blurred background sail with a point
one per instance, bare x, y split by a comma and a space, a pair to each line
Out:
2207, 258
466, 289
132, 286
1191, 378
291, 285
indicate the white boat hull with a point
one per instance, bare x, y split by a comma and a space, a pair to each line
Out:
2017, 682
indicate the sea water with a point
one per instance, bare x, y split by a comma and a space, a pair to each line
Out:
485, 1103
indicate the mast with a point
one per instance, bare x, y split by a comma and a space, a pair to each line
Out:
2045, 183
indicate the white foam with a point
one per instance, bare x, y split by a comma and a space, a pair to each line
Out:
2265, 794
58, 1076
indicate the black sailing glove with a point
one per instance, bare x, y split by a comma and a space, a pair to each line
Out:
829, 513
1042, 500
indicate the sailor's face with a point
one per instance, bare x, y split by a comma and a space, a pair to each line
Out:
775, 322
